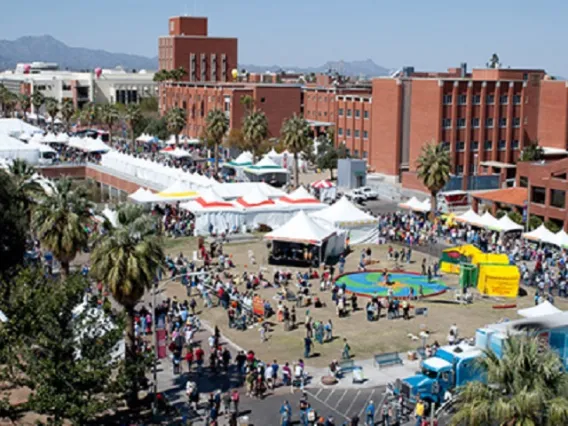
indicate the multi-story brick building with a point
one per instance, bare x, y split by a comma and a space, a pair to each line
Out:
189, 46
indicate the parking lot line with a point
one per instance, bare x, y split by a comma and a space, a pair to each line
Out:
331, 393
366, 403
352, 402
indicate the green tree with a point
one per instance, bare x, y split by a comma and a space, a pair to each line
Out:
532, 152
3, 94
67, 111
216, 127
10, 102
327, 156
255, 132
60, 221
37, 100
178, 74
149, 105
433, 167
176, 118
516, 217
248, 102
157, 127
90, 114
534, 222
109, 117
552, 226
132, 116
296, 137
127, 260
526, 386
25, 104
161, 75
52, 108
27, 189
13, 227
65, 357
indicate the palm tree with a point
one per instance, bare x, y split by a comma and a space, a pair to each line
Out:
25, 103
52, 108
255, 131
162, 75
526, 386
176, 119
109, 116
3, 94
93, 113
10, 103
433, 167
217, 125
37, 101
67, 111
296, 137
127, 259
178, 74
28, 190
132, 116
248, 102
532, 152
61, 220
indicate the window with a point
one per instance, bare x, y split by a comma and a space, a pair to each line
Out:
348, 152
462, 99
488, 145
538, 195
524, 182
365, 114
503, 99
447, 99
515, 144
471, 169
476, 99
459, 170
557, 198
516, 122
502, 145
446, 146
488, 122
525, 76
348, 113
340, 112
490, 100
365, 154
365, 134
460, 146
517, 99
340, 131
475, 146
356, 153
502, 122
348, 132
461, 122
475, 122
357, 113
447, 123
357, 134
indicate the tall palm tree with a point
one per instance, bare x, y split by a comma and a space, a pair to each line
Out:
296, 138
109, 116
132, 116
433, 167
28, 190
67, 111
52, 108
162, 75
60, 221
10, 103
217, 125
127, 260
248, 102
92, 113
255, 131
3, 94
37, 101
178, 74
25, 104
176, 119
526, 386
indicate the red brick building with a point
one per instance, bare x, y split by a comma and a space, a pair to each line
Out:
189, 46
278, 101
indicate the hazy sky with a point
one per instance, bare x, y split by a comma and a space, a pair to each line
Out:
431, 35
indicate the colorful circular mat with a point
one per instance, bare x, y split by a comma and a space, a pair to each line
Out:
373, 284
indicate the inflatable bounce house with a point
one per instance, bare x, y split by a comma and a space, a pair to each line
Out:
492, 274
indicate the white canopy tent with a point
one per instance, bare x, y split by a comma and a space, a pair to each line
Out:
410, 203
541, 234
213, 213
142, 195
15, 125
469, 217
89, 145
265, 166
178, 191
300, 197
561, 239
540, 310
36, 138
11, 149
490, 222
49, 138
507, 224
176, 153
362, 227
62, 138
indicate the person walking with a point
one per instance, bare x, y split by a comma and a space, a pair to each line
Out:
370, 414
346, 348
285, 414
419, 411
235, 398
307, 346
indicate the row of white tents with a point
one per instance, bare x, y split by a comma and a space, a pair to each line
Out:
488, 221
416, 205
543, 235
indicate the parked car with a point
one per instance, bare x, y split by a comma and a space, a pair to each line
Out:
355, 197
367, 192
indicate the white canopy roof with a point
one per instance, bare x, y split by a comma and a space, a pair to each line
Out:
410, 204
469, 217
36, 138
300, 194
209, 195
42, 147
239, 189
490, 222
89, 144
301, 228
177, 153
561, 238
542, 309
541, 234
111, 215
254, 198
11, 125
266, 166
62, 138
344, 214
244, 159
142, 195
178, 191
50, 137
507, 224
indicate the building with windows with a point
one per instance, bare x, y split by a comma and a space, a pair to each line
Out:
190, 47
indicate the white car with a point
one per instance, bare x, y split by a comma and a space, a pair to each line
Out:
367, 192
355, 196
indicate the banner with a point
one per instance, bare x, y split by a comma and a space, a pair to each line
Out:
258, 306
161, 339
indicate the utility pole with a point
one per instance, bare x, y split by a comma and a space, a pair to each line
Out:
155, 343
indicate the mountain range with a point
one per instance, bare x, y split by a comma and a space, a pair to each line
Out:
48, 49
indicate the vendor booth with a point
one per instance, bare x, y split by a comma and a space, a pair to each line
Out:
303, 242
301, 198
178, 191
361, 227
213, 215
325, 190
267, 171
235, 169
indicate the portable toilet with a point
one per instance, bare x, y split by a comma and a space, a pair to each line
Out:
497, 343
482, 337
